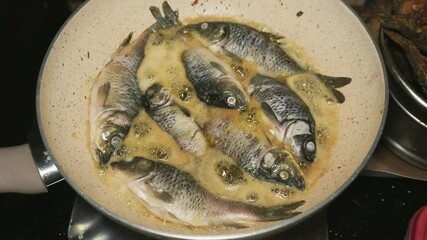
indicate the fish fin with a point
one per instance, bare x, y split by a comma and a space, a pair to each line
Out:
338, 95
268, 139
169, 20
227, 53
159, 193
269, 112
292, 206
219, 67
102, 95
126, 41
155, 11
281, 212
123, 44
170, 15
274, 37
335, 82
185, 111
235, 225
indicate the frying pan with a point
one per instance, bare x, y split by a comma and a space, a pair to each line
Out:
333, 36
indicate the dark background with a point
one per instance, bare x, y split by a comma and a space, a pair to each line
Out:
371, 208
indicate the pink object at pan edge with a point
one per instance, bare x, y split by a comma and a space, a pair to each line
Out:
417, 229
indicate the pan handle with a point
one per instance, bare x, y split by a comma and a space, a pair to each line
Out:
18, 172
27, 168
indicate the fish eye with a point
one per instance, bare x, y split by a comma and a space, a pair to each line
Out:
204, 26
284, 175
310, 146
116, 141
231, 101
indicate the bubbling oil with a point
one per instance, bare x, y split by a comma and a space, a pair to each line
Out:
214, 170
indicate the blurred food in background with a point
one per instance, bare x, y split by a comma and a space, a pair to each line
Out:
405, 23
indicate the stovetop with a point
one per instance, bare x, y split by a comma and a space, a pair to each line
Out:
370, 208
87, 223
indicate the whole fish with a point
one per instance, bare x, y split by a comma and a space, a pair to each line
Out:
213, 80
115, 98
174, 195
259, 159
115, 95
174, 120
295, 125
240, 41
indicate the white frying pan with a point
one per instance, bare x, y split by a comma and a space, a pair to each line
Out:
329, 31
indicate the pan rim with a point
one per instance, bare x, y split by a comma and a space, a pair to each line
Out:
274, 228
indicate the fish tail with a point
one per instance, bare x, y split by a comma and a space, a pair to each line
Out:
280, 212
332, 83
125, 42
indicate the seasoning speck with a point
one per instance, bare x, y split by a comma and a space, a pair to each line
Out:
300, 13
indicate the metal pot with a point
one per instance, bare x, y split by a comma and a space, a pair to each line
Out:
332, 34
405, 130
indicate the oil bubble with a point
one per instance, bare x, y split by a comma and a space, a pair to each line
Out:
141, 129
230, 174
184, 92
160, 153
282, 192
122, 151
252, 197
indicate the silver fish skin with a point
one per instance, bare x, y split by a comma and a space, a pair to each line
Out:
115, 99
115, 96
174, 195
240, 41
174, 120
213, 80
295, 125
258, 158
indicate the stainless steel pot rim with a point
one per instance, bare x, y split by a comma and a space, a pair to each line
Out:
405, 153
286, 224
408, 112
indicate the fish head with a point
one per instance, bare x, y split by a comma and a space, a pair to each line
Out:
228, 96
157, 96
299, 135
279, 166
212, 31
304, 146
110, 132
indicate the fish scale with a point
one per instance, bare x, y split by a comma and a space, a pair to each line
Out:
243, 42
285, 104
116, 98
213, 80
295, 125
258, 158
268, 54
172, 119
247, 152
175, 195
